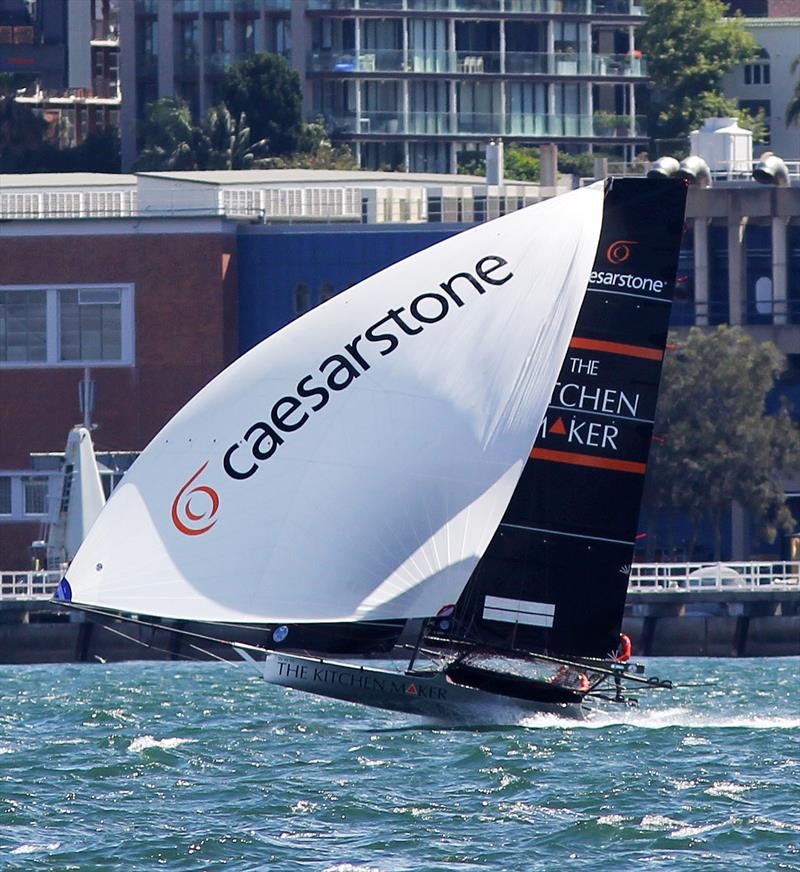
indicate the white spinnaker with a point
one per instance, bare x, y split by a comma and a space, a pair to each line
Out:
380, 503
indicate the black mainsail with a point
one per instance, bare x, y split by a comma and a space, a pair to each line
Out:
555, 575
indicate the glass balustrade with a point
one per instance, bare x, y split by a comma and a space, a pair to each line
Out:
548, 7
477, 63
488, 124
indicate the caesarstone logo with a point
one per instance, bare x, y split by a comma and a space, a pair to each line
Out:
620, 251
314, 390
194, 507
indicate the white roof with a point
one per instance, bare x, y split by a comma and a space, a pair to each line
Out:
307, 177
66, 180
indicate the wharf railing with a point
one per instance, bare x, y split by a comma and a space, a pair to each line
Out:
655, 578
28, 584
650, 578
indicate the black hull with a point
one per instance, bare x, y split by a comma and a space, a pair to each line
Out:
514, 686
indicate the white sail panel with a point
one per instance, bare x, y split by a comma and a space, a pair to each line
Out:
356, 464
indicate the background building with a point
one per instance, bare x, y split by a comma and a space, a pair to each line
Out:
158, 280
408, 83
768, 82
68, 51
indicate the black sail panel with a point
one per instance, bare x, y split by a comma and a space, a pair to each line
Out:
555, 575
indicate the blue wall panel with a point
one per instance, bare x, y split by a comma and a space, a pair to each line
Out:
275, 260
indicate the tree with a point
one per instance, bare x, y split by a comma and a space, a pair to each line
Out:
317, 152
689, 46
793, 109
715, 443
22, 135
265, 89
225, 142
173, 142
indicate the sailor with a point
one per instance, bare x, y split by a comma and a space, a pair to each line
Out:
566, 677
623, 654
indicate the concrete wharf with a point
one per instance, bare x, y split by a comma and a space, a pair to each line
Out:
689, 609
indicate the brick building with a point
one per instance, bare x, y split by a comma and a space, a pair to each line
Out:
149, 304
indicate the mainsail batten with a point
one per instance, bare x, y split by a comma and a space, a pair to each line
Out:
357, 464
565, 544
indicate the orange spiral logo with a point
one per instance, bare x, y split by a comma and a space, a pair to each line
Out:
191, 509
620, 251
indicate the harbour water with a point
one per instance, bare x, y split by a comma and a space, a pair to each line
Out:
140, 766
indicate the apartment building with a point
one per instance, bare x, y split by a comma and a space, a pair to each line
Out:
767, 83
409, 84
70, 53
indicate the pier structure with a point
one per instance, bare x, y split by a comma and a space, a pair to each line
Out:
673, 610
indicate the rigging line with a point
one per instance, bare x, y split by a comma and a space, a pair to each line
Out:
626, 294
565, 533
132, 620
577, 411
173, 654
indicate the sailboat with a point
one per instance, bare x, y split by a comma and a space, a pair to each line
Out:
456, 444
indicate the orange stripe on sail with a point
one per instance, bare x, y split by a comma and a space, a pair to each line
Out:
588, 460
616, 348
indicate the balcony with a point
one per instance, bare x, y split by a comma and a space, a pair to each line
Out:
543, 7
105, 31
466, 63
217, 62
487, 124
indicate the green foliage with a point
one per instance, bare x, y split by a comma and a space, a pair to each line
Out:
172, 142
169, 140
521, 163
793, 109
25, 147
317, 152
21, 136
718, 443
689, 46
265, 89
224, 143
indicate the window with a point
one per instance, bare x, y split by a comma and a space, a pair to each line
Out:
91, 324
23, 326
758, 73
34, 490
67, 326
5, 495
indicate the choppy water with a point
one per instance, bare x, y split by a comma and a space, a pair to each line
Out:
188, 766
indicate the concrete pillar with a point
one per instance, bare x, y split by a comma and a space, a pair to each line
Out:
301, 42
202, 89
260, 40
548, 172
632, 107
739, 537
79, 48
357, 82
736, 296
166, 49
701, 272
780, 271
127, 80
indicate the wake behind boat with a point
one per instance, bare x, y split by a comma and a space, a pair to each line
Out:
461, 439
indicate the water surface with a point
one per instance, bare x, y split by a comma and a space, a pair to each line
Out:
203, 766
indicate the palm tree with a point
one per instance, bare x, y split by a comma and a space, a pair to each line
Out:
793, 109
226, 142
169, 139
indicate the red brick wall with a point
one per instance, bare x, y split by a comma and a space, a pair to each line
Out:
186, 331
